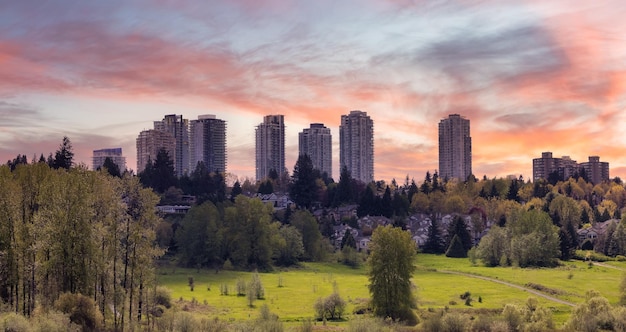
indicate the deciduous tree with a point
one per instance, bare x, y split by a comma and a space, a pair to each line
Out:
391, 269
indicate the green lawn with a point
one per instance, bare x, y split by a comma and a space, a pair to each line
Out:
301, 287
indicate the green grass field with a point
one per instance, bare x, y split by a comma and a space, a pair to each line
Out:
301, 287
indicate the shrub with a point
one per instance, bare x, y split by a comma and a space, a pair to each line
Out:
191, 284
15, 323
212, 325
228, 265
241, 287
185, 322
81, 309
267, 321
350, 257
371, 325
53, 321
499, 326
434, 323
306, 326
257, 286
482, 323
224, 289
513, 317
163, 296
454, 322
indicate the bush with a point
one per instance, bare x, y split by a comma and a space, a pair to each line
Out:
482, 323
267, 321
224, 289
256, 286
499, 326
590, 255
454, 322
371, 325
513, 317
163, 296
53, 321
350, 257
15, 323
434, 323
241, 287
212, 325
81, 309
330, 308
185, 322
306, 326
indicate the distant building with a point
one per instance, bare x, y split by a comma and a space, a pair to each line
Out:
178, 127
596, 170
544, 166
208, 143
316, 142
270, 146
115, 154
455, 148
149, 142
356, 145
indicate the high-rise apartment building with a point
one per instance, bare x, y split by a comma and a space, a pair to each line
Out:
356, 145
455, 148
178, 127
316, 142
208, 143
544, 166
149, 142
270, 146
596, 170
115, 154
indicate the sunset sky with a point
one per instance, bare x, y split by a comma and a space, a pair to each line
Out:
531, 76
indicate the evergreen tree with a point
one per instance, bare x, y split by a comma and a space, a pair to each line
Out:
235, 191
266, 187
400, 205
348, 240
386, 207
427, 185
513, 189
112, 168
164, 176
412, 190
584, 217
303, 187
436, 186
64, 156
367, 204
434, 243
458, 227
344, 193
456, 249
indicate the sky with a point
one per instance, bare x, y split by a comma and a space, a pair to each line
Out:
531, 76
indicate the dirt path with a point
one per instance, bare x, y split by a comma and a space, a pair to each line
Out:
526, 289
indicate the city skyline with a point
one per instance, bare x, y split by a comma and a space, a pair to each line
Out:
531, 76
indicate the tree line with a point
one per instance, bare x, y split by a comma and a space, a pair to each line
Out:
73, 231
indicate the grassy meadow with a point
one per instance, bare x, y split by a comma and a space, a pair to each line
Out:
291, 293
